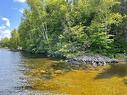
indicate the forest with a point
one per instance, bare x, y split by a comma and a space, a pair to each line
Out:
71, 28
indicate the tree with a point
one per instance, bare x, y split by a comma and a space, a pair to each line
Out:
70, 27
14, 40
5, 42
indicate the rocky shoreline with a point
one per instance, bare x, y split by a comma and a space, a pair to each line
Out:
94, 60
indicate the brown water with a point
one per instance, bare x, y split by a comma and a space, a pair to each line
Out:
26, 74
15, 72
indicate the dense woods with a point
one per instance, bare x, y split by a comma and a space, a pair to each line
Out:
72, 27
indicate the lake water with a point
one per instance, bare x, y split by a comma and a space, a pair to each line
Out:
26, 74
13, 73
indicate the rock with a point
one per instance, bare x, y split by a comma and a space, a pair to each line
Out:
95, 60
58, 72
42, 71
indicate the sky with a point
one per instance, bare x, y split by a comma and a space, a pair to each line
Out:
11, 12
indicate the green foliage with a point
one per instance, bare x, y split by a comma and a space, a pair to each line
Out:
14, 40
70, 28
101, 42
73, 41
5, 42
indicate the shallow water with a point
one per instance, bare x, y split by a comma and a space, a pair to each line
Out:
13, 73
26, 74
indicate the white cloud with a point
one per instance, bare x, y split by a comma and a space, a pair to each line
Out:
4, 29
4, 32
20, 1
6, 21
21, 10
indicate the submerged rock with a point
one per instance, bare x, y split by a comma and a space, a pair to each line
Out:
95, 60
58, 72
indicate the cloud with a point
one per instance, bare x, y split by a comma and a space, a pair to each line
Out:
20, 1
21, 10
6, 21
4, 32
4, 29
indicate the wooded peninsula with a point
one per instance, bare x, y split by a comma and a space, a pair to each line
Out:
71, 28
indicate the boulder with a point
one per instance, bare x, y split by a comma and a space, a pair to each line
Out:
95, 60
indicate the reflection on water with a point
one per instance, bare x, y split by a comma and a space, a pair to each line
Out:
16, 70
119, 70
